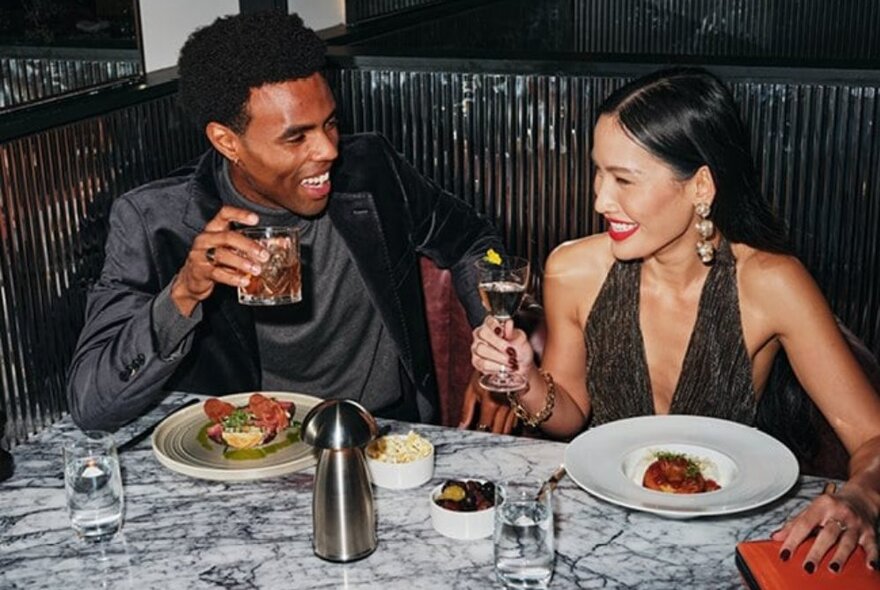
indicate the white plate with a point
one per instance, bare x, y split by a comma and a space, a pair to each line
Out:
177, 446
752, 468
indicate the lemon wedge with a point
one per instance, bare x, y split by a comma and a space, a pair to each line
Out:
492, 257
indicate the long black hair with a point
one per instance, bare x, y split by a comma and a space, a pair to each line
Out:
688, 118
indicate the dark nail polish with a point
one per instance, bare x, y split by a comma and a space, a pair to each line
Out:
498, 331
785, 555
514, 366
876, 565
835, 567
511, 352
810, 567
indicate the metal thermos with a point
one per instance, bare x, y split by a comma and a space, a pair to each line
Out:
343, 517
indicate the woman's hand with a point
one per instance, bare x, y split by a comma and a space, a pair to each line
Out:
847, 518
495, 345
500, 346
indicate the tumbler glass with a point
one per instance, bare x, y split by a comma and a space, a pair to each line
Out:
93, 484
524, 554
279, 282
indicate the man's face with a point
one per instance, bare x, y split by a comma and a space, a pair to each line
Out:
285, 153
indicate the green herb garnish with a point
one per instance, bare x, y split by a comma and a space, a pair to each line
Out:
693, 468
237, 420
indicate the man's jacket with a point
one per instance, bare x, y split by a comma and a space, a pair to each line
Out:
386, 212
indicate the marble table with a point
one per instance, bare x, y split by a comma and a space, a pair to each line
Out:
181, 532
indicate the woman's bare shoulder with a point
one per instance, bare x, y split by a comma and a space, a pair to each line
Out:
767, 273
585, 260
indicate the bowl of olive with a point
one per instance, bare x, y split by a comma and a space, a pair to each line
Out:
463, 508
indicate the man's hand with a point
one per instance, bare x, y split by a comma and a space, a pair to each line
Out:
218, 255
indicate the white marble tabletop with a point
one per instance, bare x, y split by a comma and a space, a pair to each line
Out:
181, 532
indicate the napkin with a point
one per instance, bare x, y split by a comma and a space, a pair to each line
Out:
761, 569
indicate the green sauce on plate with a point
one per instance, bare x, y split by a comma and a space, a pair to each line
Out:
290, 436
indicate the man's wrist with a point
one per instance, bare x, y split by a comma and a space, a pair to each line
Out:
183, 299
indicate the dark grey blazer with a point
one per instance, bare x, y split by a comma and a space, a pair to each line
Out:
386, 212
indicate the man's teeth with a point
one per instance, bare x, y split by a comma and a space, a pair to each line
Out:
618, 227
316, 180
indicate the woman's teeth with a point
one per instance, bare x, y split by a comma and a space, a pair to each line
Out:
618, 227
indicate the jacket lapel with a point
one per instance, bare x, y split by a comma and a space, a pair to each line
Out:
355, 217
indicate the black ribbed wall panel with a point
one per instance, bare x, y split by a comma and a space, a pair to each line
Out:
801, 29
24, 80
518, 148
841, 32
55, 192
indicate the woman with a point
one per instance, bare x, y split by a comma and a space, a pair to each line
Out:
683, 304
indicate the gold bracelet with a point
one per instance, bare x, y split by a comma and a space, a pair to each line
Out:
549, 403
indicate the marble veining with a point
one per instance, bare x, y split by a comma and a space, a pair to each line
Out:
181, 532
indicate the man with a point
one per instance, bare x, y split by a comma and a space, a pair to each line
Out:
164, 314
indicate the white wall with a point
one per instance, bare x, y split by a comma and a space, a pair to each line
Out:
319, 14
167, 23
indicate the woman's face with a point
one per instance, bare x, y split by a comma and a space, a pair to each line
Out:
647, 209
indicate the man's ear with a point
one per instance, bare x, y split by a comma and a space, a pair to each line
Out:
224, 140
703, 184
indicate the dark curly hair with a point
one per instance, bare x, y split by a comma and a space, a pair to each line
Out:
219, 64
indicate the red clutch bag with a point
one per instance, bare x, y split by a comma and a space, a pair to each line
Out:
761, 569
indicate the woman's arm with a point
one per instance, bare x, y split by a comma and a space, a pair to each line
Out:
797, 313
572, 278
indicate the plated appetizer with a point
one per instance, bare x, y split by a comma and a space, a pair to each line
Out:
676, 473
249, 426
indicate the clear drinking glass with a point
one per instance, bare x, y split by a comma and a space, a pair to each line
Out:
279, 283
93, 484
502, 287
524, 554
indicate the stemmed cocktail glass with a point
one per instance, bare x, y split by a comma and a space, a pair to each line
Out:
502, 283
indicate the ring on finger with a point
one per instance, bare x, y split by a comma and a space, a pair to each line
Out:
210, 254
483, 427
840, 524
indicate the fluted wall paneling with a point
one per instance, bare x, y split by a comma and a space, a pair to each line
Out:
517, 147
24, 80
55, 192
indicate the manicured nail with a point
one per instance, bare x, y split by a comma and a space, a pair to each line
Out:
835, 567
511, 352
514, 365
498, 331
810, 567
785, 555
876, 564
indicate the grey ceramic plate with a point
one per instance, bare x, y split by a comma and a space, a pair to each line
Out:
177, 446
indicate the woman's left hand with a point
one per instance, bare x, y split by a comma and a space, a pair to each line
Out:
847, 519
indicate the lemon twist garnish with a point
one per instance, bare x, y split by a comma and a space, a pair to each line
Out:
492, 257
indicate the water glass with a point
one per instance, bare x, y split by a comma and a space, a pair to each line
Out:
524, 555
93, 484
279, 283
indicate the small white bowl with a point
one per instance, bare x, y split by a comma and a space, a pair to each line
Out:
401, 476
461, 525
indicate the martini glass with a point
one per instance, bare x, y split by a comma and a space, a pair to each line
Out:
502, 287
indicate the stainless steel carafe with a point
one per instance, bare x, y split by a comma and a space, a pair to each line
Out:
343, 517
